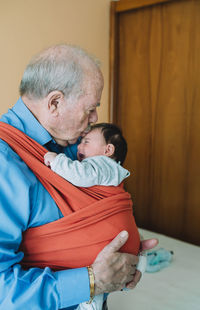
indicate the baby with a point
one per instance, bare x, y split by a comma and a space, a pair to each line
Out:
100, 155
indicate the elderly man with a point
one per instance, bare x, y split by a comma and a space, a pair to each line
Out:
60, 92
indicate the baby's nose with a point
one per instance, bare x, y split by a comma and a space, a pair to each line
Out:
79, 147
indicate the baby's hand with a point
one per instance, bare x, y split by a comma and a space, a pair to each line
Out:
49, 157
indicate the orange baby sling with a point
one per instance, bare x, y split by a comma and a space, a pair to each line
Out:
92, 217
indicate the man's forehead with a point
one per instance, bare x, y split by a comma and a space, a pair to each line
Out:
93, 88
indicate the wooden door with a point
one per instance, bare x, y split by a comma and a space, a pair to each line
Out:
155, 98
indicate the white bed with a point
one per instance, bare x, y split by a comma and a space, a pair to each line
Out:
176, 287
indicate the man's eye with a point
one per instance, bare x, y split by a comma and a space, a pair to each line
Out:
89, 112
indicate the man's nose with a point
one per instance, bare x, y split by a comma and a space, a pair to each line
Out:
93, 117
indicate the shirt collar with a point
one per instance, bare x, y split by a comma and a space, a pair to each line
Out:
31, 125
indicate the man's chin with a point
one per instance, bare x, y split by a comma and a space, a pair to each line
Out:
73, 141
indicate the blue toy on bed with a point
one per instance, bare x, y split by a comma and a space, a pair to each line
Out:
158, 259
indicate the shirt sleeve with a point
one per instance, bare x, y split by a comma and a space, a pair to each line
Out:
34, 288
97, 170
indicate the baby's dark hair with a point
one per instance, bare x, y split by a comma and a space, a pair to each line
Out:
113, 134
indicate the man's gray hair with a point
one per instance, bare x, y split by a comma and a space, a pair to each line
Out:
60, 67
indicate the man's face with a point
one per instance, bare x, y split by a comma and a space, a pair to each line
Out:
92, 144
76, 115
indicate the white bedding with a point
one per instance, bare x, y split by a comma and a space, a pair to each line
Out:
176, 287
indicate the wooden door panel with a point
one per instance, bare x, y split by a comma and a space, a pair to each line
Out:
157, 106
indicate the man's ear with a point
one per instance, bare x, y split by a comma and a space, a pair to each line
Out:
54, 98
110, 149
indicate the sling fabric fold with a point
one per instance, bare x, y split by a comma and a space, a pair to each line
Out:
92, 217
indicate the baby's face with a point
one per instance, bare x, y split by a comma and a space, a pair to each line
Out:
92, 144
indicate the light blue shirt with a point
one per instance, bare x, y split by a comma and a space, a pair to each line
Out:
24, 203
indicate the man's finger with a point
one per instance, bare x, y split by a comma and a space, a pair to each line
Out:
136, 279
148, 244
116, 243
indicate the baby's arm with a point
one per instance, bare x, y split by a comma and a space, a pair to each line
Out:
78, 173
97, 170
85, 173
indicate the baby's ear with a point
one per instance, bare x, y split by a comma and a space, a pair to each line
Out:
110, 149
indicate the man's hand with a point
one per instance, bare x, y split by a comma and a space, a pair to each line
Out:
112, 269
144, 245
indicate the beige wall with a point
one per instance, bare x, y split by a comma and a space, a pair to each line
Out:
27, 26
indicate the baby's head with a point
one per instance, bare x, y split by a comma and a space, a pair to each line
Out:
103, 139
